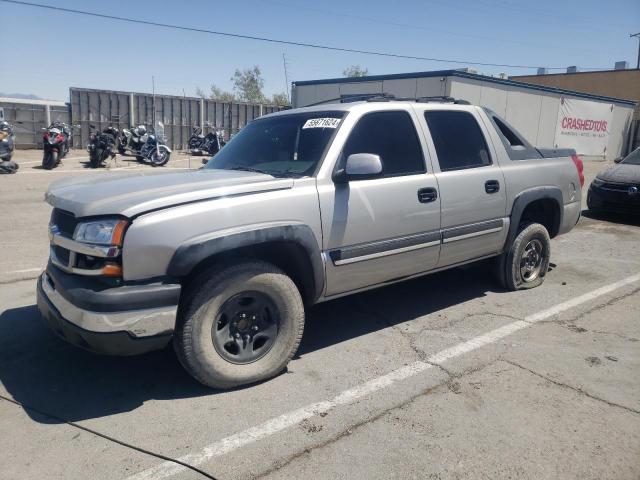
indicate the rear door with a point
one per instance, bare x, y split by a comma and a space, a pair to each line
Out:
471, 183
384, 228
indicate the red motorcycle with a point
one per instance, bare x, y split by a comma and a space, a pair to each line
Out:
56, 144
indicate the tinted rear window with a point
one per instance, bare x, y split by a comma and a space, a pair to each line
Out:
458, 140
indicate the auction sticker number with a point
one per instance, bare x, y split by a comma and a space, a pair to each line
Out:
322, 123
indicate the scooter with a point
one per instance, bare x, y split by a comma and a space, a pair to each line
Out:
56, 144
102, 145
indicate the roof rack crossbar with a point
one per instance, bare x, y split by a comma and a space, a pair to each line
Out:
387, 97
442, 98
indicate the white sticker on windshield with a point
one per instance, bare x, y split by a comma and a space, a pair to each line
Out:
321, 123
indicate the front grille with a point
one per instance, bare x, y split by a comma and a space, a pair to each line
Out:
618, 187
65, 221
62, 254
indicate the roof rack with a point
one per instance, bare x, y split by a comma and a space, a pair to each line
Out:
442, 98
387, 97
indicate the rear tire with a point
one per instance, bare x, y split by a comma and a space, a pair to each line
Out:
524, 265
221, 343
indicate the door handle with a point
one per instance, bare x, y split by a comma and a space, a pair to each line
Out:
428, 194
492, 186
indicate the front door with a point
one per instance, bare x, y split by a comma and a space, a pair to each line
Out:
385, 228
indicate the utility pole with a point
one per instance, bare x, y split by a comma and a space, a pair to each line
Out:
638, 36
153, 99
286, 77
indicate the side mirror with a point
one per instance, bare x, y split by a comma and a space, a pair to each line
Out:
359, 166
618, 160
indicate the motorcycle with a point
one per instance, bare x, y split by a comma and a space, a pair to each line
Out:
6, 148
102, 145
7, 144
131, 141
145, 146
211, 143
56, 144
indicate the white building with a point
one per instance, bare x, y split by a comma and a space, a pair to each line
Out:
594, 125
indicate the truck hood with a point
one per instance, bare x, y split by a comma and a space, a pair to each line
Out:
621, 173
131, 194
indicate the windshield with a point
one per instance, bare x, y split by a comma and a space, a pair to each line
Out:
290, 144
633, 158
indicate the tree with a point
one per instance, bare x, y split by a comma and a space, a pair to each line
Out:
355, 71
216, 93
280, 99
248, 85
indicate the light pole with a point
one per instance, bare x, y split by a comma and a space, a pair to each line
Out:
638, 36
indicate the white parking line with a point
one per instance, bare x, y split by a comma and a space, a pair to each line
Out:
26, 270
290, 419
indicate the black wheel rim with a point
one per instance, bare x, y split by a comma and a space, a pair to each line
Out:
246, 327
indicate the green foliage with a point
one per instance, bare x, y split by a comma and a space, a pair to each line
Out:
355, 71
280, 99
216, 93
248, 85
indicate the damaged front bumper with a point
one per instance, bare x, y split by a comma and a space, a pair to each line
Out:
126, 319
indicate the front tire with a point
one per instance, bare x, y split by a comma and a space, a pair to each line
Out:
95, 159
524, 265
50, 160
241, 324
160, 157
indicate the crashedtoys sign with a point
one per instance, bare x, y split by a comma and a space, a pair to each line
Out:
584, 126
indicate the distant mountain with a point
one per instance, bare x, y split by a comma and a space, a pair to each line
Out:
25, 96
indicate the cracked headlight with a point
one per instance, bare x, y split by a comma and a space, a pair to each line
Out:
101, 232
597, 182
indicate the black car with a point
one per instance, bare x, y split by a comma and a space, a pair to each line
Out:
617, 189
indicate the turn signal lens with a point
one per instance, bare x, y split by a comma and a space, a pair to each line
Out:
112, 270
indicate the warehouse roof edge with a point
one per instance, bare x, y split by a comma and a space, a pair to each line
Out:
463, 74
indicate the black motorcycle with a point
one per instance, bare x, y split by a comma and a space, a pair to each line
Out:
7, 144
56, 144
102, 145
200, 144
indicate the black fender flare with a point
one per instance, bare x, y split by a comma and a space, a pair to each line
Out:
525, 198
191, 253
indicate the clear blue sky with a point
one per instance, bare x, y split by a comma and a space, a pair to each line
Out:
45, 53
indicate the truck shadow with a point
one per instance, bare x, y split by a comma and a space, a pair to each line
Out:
43, 372
353, 316
613, 217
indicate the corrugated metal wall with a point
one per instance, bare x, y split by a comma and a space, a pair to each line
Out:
28, 120
533, 113
179, 114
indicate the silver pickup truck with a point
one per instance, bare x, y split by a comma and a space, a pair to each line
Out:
302, 206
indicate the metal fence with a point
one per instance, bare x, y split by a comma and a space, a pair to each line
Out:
102, 108
29, 117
